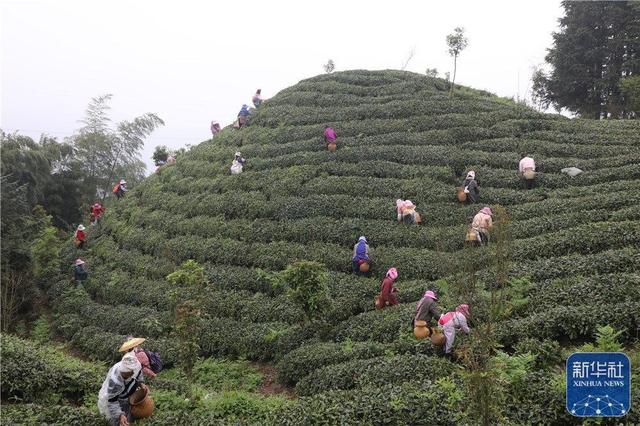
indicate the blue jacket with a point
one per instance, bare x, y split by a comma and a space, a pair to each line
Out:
361, 250
79, 273
244, 111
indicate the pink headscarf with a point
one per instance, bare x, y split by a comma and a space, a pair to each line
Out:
402, 204
392, 273
427, 294
463, 309
487, 210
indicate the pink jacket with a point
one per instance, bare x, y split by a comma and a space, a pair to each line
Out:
482, 221
527, 163
455, 320
146, 366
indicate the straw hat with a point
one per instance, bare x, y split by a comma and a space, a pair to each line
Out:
131, 343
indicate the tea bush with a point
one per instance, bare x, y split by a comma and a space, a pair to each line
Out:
302, 361
42, 414
41, 373
374, 371
400, 135
409, 403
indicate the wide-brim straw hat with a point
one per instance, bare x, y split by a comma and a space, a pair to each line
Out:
131, 343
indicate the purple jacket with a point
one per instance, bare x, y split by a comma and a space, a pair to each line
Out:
330, 134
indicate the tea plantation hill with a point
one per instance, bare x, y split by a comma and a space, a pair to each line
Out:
400, 135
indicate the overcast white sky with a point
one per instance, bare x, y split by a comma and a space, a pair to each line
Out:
194, 61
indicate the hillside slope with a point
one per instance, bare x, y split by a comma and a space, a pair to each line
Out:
400, 136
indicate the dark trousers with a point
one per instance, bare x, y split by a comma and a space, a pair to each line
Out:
408, 219
529, 183
484, 238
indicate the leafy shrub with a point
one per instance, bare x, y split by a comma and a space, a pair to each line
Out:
571, 322
408, 403
547, 352
31, 414
255, 341
374, 371
40, 373
46, 255
223, 375
41, 332
227, 408
302, 361
378, 326
305, 284
607, 340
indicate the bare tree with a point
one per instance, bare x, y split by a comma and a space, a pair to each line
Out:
432, 72
457, 42
410, 56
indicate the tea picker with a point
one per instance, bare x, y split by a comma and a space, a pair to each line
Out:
360, 262
151, 362
79, 274
330, 138
243, 116
527, 169
120, 188
407, 213
215, 128
80, 236
238, 163
122, 381
469, 192
96, 213
451, 323
426, 310
257, 98
478, 233
387, 296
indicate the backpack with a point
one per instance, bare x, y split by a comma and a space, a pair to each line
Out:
155, 362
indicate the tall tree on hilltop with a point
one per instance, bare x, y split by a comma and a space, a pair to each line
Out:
457, 42
597, 47
107, 154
